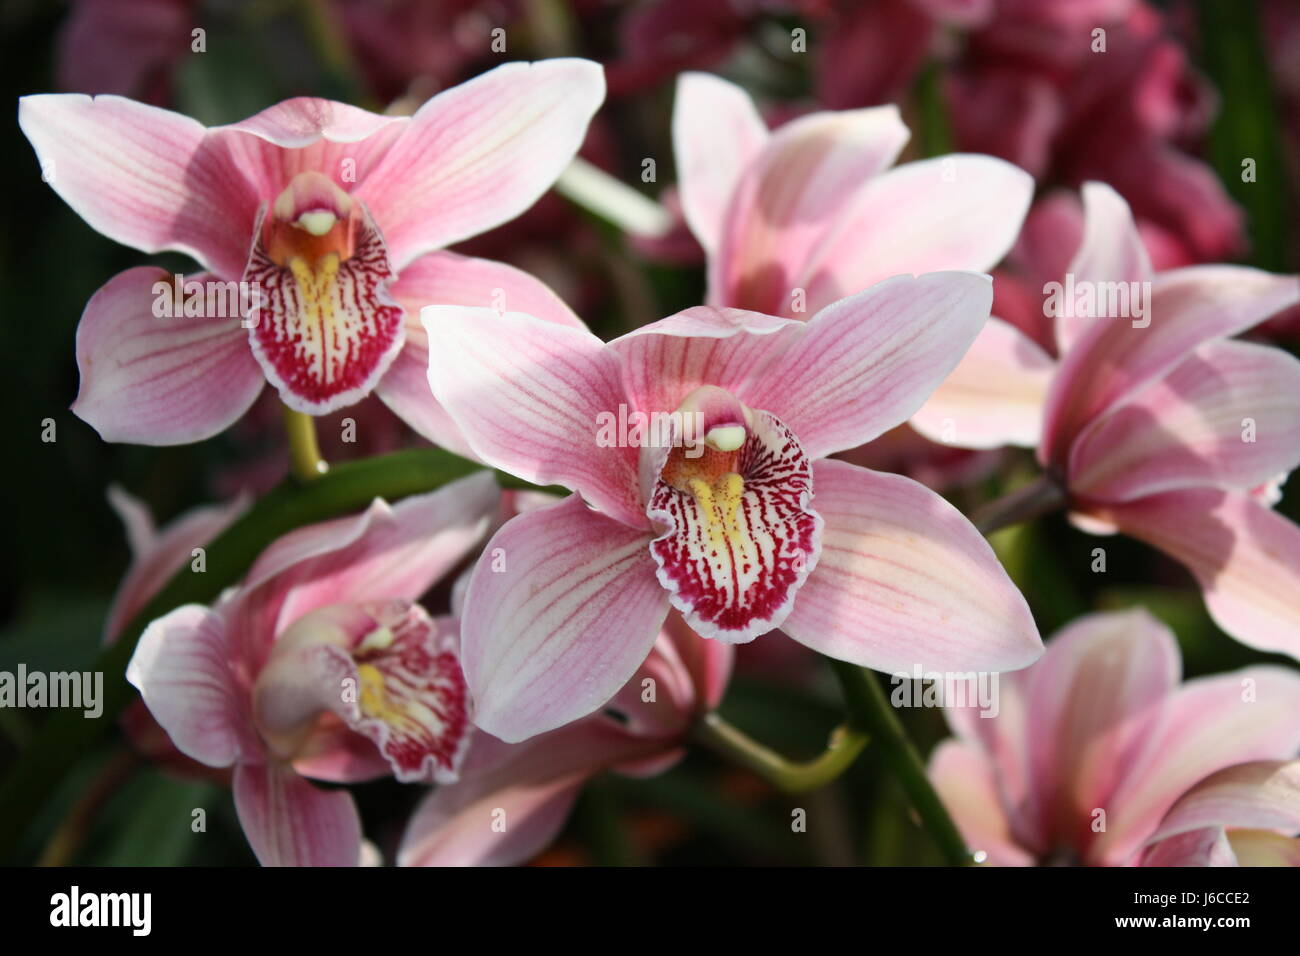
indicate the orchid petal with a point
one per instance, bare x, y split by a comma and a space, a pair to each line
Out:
1245, 556
781, 204
290, 822
481, 153
156, 380
1190, 428
956, 212
1094, 701
717, 134
1111, 251
665, 361
1209, 723
965, 783
183, 670
1117, 356
445, 278
1199, 848
529, 397
562, 608
994, 396
869, 362
139, 175
157, 555
396, 551
1261, 795
905, 580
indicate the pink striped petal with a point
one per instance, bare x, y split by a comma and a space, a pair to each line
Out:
395, 551
480, 153
1094, 701
290, 822
994, 396
301, 134
504, 827
783, 202
157, 555
665, 361
391, 551
966, 784
905, 580
446, 278
1111, 251
954, 212
183, 669
1190, 427
1245, 556
1114, 359
140, 175
717, 134
869, 362
512, 799
562, 608
529, 397
1261, 795
1200, 848
1208, 724
739, 536
167, 380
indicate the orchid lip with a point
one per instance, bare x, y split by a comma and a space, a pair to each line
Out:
386, 669
327, 328
739, 535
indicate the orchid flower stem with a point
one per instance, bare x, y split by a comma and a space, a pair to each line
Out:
869, 710
717, 734
305, 462
613, 200
1041, 496
62, 847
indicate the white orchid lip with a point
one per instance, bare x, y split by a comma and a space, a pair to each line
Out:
740, 535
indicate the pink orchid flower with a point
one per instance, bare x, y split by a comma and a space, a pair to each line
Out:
327, 216
1159, 426
732, 515
320, 665
512, 799
1098, 756
795, 219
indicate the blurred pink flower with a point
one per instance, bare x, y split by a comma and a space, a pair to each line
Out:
127, 47
1030, 87
320, 665
512, 799
738, 524
1099, 756
795, 219
343, 211
1159, 425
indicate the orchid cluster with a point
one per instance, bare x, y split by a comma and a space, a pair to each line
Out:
525, 599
